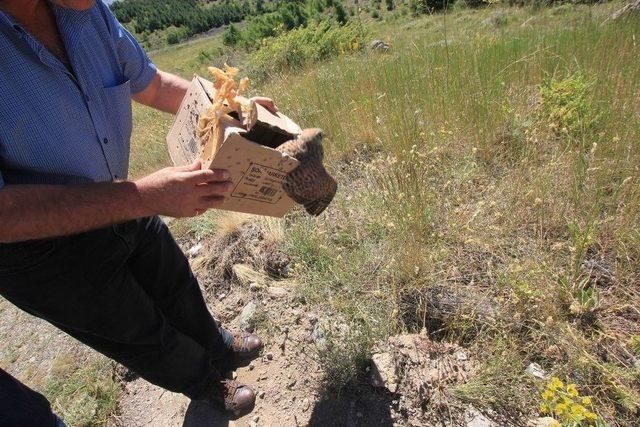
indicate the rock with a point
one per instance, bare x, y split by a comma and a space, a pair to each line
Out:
628, 9
379, 45
542, 422
277, 292
383, 372
475, 418
269, 356
292, 383
536, 371
497, 19
305, 405
248, 316
246, 274
276, 263
251, 366
261, 394
255, 287
318, 336
193, 251
461, 356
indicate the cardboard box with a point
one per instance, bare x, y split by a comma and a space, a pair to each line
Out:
256, 169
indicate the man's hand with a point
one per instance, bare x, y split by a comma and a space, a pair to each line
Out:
183, 191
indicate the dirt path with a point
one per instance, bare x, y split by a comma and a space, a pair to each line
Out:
287, 377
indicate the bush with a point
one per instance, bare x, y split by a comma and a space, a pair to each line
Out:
418, 7
307, 45
232, 36
286, 17
567, 105
174, 35
341, 14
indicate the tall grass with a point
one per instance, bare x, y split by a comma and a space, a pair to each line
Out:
491, 157
501, 161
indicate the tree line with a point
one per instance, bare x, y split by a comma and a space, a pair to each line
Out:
194, 16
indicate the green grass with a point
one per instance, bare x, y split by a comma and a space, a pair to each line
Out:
494, 152
84, 395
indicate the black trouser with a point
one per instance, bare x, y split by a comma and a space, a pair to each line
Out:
22, 407
126, 291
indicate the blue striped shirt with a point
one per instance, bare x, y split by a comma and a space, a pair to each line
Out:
59, 126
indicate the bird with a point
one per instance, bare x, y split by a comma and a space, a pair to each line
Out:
309, 184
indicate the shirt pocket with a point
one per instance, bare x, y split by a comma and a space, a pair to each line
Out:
117, 101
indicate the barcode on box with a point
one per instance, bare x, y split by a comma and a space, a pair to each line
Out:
261, 184
268, 191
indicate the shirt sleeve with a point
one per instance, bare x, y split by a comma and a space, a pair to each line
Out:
1, 180
135, 62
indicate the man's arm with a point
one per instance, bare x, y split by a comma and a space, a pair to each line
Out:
164, 93
41, 211
166, 90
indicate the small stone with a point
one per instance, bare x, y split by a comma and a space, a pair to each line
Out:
251, 366
383, 372
475, 418
261, 394
277, 292
234, 375
292, 384
536, 371
461, 356
542, 422
255, 287
269, 356
222, 296
248, 315
193, 251
256, 418
305, 405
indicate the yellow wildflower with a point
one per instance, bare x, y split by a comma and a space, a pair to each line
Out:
586, 401
548, 394
591, 416
571, 390
577, 410
544, 408
556, 383
560, 408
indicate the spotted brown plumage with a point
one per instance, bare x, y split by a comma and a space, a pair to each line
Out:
309, 184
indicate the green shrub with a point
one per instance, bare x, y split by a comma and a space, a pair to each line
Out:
567, 104
174, 35
418, 7
341, 14
232, 36
307, 45
286, 17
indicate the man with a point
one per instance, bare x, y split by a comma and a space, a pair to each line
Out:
80, 245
